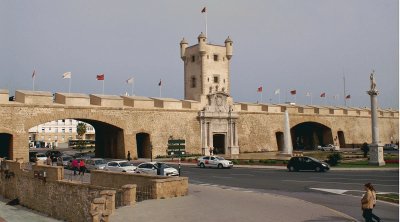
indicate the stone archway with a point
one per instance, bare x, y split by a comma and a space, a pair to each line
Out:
6, 145
309, 135
143, 145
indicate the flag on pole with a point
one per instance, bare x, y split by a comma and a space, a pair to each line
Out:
159, 84
67, 75
322, 95
293, 92
259, 89
33, 74
203, 10
130, 80
348, 96
278, 91
100, 77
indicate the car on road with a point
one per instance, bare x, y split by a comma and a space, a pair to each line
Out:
64, 160
95, 164
329, 147
214, 161
54, 154
390, 147
298, 163
156, 168
120, 166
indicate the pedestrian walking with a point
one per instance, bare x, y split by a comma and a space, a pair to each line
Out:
367, 203
373, 191
129, 156
75, 165
82, 167
48, 160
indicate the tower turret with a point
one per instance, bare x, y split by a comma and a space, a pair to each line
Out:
229, 48
184, 45
202, 43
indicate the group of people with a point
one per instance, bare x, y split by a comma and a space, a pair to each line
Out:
368, 203
78, 166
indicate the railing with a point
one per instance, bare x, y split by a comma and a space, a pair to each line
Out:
143, 193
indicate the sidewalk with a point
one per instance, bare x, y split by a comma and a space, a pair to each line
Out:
213, 203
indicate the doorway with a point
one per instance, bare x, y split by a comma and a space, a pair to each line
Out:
143, 145
279, 140
5, 145
219, 143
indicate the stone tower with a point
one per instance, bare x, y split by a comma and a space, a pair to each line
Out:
206, 68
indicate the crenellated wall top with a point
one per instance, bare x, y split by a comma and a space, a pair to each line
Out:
141, 102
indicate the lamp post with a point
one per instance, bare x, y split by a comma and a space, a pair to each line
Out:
151, 152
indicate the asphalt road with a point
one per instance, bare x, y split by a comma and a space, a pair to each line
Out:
339, 190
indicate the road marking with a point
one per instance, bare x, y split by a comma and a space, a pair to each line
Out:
340, 178
394, 176
222, 177
314, 181
335, 191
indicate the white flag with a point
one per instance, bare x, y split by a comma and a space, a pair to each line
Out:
130, 80
278, 91
67, 75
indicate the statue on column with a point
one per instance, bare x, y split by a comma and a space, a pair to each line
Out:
373, 83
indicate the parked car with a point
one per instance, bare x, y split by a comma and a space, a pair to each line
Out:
298, 163
32, 156
155, 168
95, 164
214, 161
120, 166
64, 160
53, 154
329, 147
390, 147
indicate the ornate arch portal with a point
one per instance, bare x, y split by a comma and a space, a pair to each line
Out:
308, 135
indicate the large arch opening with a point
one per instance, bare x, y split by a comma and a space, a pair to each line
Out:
6, 145
279, 140
309, 135
219, 143
143, 145
342, 141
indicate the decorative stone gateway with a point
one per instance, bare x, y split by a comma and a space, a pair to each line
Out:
218, 122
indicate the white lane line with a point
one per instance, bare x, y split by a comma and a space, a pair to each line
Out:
377, 176
341, 178
314, 181
222, 177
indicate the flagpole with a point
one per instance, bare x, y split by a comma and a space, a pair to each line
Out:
344, 89
103, 86
69, 87
206, 21
33, 79
160, 91
133, 82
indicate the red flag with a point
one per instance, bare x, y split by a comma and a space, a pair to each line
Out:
159, 84
203, 10
322, 95
100, 77
293, 92
33, 74
259, 89
348, 96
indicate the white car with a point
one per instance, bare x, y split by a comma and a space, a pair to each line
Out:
120, 166
153, 167
214, 161
390, 147
328, 147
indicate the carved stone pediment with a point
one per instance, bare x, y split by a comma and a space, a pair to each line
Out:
218, 102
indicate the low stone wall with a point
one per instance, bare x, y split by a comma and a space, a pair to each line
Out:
161, 186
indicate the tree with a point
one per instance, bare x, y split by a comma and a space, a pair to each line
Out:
81, 130
365, 149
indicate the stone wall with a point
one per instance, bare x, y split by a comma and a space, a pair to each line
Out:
162, 187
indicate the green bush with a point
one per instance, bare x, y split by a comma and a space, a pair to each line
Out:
261, 161
235, 161
251, 161
334, 158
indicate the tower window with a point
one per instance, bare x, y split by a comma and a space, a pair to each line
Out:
193, 58
193, 82
216, 88
208, 56
215, 57
223, 89
216, 79
224, 80
208, 79
210, 90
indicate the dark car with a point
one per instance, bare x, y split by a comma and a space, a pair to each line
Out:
307, 163
53, 154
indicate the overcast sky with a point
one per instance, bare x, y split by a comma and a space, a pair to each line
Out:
303, 45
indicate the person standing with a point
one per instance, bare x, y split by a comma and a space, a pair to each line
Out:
367, 203
48, 160
373, 191
129, 156
75, 165
82, 167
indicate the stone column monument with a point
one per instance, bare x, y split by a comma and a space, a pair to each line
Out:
287, 146
375, 149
